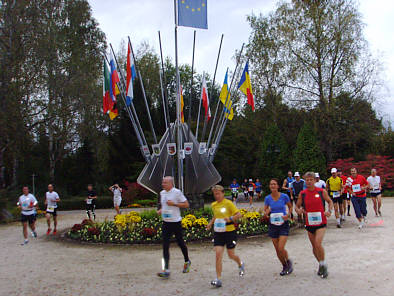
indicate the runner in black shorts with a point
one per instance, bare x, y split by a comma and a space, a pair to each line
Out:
91, 202
245, 188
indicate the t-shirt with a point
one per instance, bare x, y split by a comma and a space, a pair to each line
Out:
224, 209
344, 178
374, 183
334, 184
51, 199
258, 186
298, 186
245, 187
251, 187
117, 193
91, 193
27, 202
355, 185
234, 187
278, 206
171, 213
313, 206
289, 181
320, 184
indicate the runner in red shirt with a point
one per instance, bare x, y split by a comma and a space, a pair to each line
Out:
345, 196
310, 204
357, 185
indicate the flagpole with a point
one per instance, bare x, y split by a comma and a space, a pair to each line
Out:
133, 123
191, 90
222, 117
199, 108
132, 103
178, 103
211, 90
143, 92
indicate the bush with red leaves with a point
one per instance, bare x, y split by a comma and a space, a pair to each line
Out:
86, 222
148, 232
93, 231
76, 227
134, 191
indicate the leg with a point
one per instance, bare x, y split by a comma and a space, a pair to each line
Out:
93, 212
356, 207
316, 240
375, 205
25, 229
348, 206
379, 198
88, 211
340, 205
219, 250
166, 245
363, 206
180, 241
232, 256
336, 210
48, 216
55, 223
117, 209
279, 244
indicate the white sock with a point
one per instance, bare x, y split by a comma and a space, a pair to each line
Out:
322, 263
339, 220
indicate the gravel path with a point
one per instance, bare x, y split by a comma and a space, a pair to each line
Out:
360, 263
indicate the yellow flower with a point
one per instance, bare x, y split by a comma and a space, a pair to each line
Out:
252, 215
186, 223
133, 213
191, 217
243, 211
201, 222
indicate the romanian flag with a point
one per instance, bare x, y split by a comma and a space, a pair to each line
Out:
245, 85
223, 98
107, 102
131, 74
182, 105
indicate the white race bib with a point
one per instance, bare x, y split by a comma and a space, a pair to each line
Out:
336, 194
314, 218
220, 225
356, 188
251, 188
89, 201
277, 219
50, 209
167, 215
235, 189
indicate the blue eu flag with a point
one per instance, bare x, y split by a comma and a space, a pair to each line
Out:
193, 13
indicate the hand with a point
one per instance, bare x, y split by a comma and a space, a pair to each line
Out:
328, 214
159, 212
227, 220
285, 217
300, 211
170, 203
209, 226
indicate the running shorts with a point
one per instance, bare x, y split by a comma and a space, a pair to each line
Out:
312, 229
275, 231
28, 218
228, 238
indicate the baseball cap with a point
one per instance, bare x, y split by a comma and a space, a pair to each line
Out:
297, 174
333, 170
317, 175
250, 180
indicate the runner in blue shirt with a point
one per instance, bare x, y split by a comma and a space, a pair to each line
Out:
234, 187
278, 228
286, 186
259, 187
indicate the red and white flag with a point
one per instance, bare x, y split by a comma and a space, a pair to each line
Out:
205, 99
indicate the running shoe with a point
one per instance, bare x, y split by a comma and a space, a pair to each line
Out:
284, 270
186, 267
348, 214
242, 269
325, 272
49, 231
54, 232
25, 242
339, 225
216, 283
289, 267
365, 220
320, 271
34, 234
164, 274
380, 213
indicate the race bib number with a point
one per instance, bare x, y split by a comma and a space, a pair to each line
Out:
356, 188
220, 225
336, 194
277, 219
50, 209
167, 215
89, 201
314, 218
235, 189
251, 188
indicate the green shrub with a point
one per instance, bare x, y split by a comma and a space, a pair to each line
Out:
147, 215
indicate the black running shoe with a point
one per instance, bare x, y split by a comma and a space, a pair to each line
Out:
284, 270
325, 272
289, 266
320, 271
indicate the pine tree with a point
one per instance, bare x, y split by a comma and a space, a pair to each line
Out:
307, 154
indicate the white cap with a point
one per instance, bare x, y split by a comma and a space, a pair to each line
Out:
297, 174
317, 175
333, 170
250, 180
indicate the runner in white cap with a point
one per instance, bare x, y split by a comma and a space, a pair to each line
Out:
295, 188
375, 190
28, 203
319, 182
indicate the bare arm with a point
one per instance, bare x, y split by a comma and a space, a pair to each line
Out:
330, 203
284, 186
299, 208
290, 207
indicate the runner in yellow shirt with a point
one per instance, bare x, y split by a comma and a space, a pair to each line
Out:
335, 189
225, 213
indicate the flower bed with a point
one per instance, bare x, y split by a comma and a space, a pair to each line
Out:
145, 227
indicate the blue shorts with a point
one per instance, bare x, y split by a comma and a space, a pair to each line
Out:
275, 231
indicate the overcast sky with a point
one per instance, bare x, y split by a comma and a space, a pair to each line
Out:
142, 19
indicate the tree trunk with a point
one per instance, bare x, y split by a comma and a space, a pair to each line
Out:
2, 168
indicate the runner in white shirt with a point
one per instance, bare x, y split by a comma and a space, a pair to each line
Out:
171, 200
51, 200
375, 189
28, 203
117, 191
319, 183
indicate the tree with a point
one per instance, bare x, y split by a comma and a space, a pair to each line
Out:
307, 154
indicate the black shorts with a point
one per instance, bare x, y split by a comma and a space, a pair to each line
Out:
345, 196
54, 213
246, 194
28, 218
312, 229
375, 194
275, 231
336, 199
228, 238
90, 207
234, 194
251, 193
